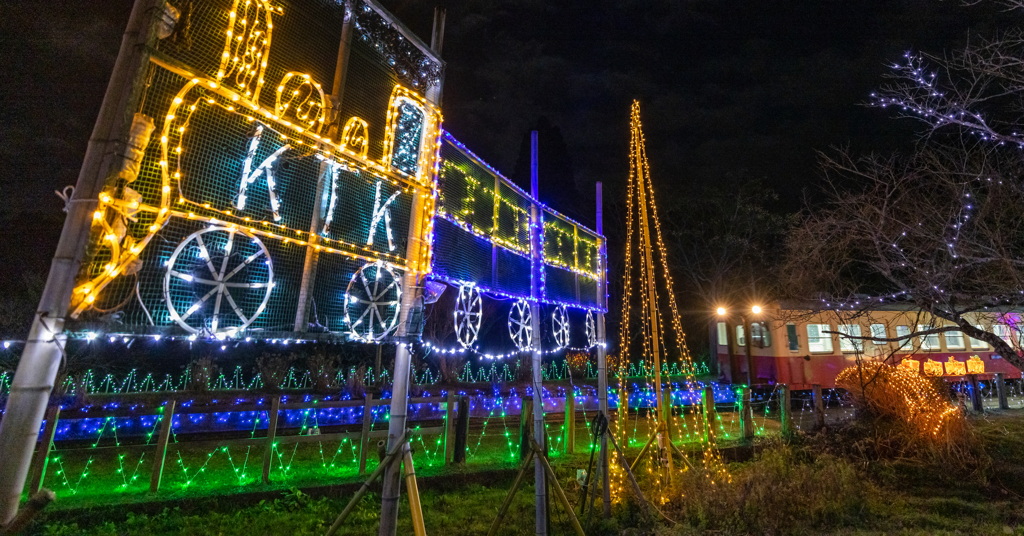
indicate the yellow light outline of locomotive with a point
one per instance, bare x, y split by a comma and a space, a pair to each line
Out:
423, 183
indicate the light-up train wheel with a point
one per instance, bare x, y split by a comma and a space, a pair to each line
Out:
560, 326
591, 330
372, 302
519, 324
469, 311
218, 280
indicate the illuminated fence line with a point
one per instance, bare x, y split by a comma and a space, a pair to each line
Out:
301, 379
112, 448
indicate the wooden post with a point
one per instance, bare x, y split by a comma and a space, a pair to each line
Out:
710, 415
364, 436
1001, 390
167, 420
785, 413
666, 403
746, 414
268, 449
449, 428
975, 393
819, 407
462, 430
570, 421
38, 470
525, 416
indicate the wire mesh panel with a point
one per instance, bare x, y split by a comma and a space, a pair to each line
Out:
250, 193
460, 256
476, 200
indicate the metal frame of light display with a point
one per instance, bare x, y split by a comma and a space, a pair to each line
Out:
287, 166
281, 191
249, 197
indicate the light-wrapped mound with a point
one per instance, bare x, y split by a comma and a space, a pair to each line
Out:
903, 395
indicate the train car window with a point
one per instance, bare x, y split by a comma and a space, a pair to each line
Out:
794, 342
878, 332
978, 344
848, 341
760, 335
1003, 332
928, 342
954, 340
903, 332
723, 334
817, 340
741, 338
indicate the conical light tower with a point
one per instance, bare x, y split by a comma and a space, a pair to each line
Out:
647, 275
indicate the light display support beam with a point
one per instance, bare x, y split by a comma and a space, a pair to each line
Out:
412, 287
40, 359
313, 250
643, 178
602, 356
536, 228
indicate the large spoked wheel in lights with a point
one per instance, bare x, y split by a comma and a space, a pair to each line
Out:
218, 281
591, 330
469, 311
560, 326
519, 327
372, 302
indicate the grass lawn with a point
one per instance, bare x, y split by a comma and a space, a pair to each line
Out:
798, 487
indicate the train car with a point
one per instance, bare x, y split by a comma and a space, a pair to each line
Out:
794, 344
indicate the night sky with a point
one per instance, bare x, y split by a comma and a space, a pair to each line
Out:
730, 90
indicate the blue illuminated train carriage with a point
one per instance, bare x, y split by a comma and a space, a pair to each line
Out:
280, 186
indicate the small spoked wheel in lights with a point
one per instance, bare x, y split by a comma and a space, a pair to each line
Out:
560, 326
469, 311
591, 330
372, 302
519, 327
218, 280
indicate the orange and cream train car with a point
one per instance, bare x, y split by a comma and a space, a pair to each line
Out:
800, 348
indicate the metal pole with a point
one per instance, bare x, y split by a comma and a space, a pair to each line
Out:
747, 346
33, 381
602, 353
312, 249
412, 290
536, 224
730, 339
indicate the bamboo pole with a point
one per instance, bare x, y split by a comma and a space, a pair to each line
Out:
161, 446
385, 463
415, 509
559, 493
43, 454
40, 359
511, 494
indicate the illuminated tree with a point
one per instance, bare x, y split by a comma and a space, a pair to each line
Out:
940, 229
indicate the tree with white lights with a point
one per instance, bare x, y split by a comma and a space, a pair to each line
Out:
941, 229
